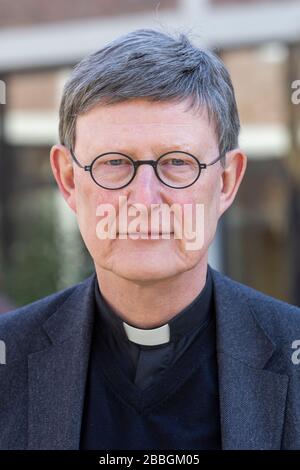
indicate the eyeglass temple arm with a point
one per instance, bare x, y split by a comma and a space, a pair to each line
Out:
75, 159
215, 160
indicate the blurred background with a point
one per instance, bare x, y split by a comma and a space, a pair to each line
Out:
258, 240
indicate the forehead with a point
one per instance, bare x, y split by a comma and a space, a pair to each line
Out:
139, 122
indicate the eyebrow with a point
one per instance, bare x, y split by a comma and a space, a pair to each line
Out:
162, 151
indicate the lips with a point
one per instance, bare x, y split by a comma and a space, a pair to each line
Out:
146, 233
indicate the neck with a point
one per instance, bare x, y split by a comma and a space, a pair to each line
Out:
152, 304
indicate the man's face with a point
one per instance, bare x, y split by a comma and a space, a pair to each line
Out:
144, 131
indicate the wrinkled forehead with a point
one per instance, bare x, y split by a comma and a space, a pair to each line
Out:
140, 123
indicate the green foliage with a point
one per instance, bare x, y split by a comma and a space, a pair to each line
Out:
46, 254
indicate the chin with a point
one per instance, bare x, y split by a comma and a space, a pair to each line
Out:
147, 269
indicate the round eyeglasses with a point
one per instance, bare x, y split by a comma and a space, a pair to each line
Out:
175, 169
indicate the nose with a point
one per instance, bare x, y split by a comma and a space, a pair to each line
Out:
145, 188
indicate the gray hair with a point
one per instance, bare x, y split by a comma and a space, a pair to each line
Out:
156, 66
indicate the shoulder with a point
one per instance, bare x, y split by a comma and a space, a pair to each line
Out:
277, 316
19, 325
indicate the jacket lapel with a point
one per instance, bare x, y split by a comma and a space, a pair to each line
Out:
57, 374
252, 398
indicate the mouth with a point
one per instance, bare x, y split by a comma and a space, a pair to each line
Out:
146, 234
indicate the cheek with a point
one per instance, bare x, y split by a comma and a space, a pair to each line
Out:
88, 198
207, 196
212, 213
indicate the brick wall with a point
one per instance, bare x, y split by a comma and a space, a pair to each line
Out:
28, 12
35, 91
260, 87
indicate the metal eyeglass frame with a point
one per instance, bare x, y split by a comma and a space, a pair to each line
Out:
137, 163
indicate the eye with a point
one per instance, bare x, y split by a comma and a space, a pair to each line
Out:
116, 162
178, 162
173, 162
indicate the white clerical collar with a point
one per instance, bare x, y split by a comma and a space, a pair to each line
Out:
154, 337
185, 322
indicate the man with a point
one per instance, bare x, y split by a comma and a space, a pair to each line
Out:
156, 350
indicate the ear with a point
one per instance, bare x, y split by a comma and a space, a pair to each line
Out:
231, 178
62, 167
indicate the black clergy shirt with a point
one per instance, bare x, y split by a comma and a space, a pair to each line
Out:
144, 364
116, 363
